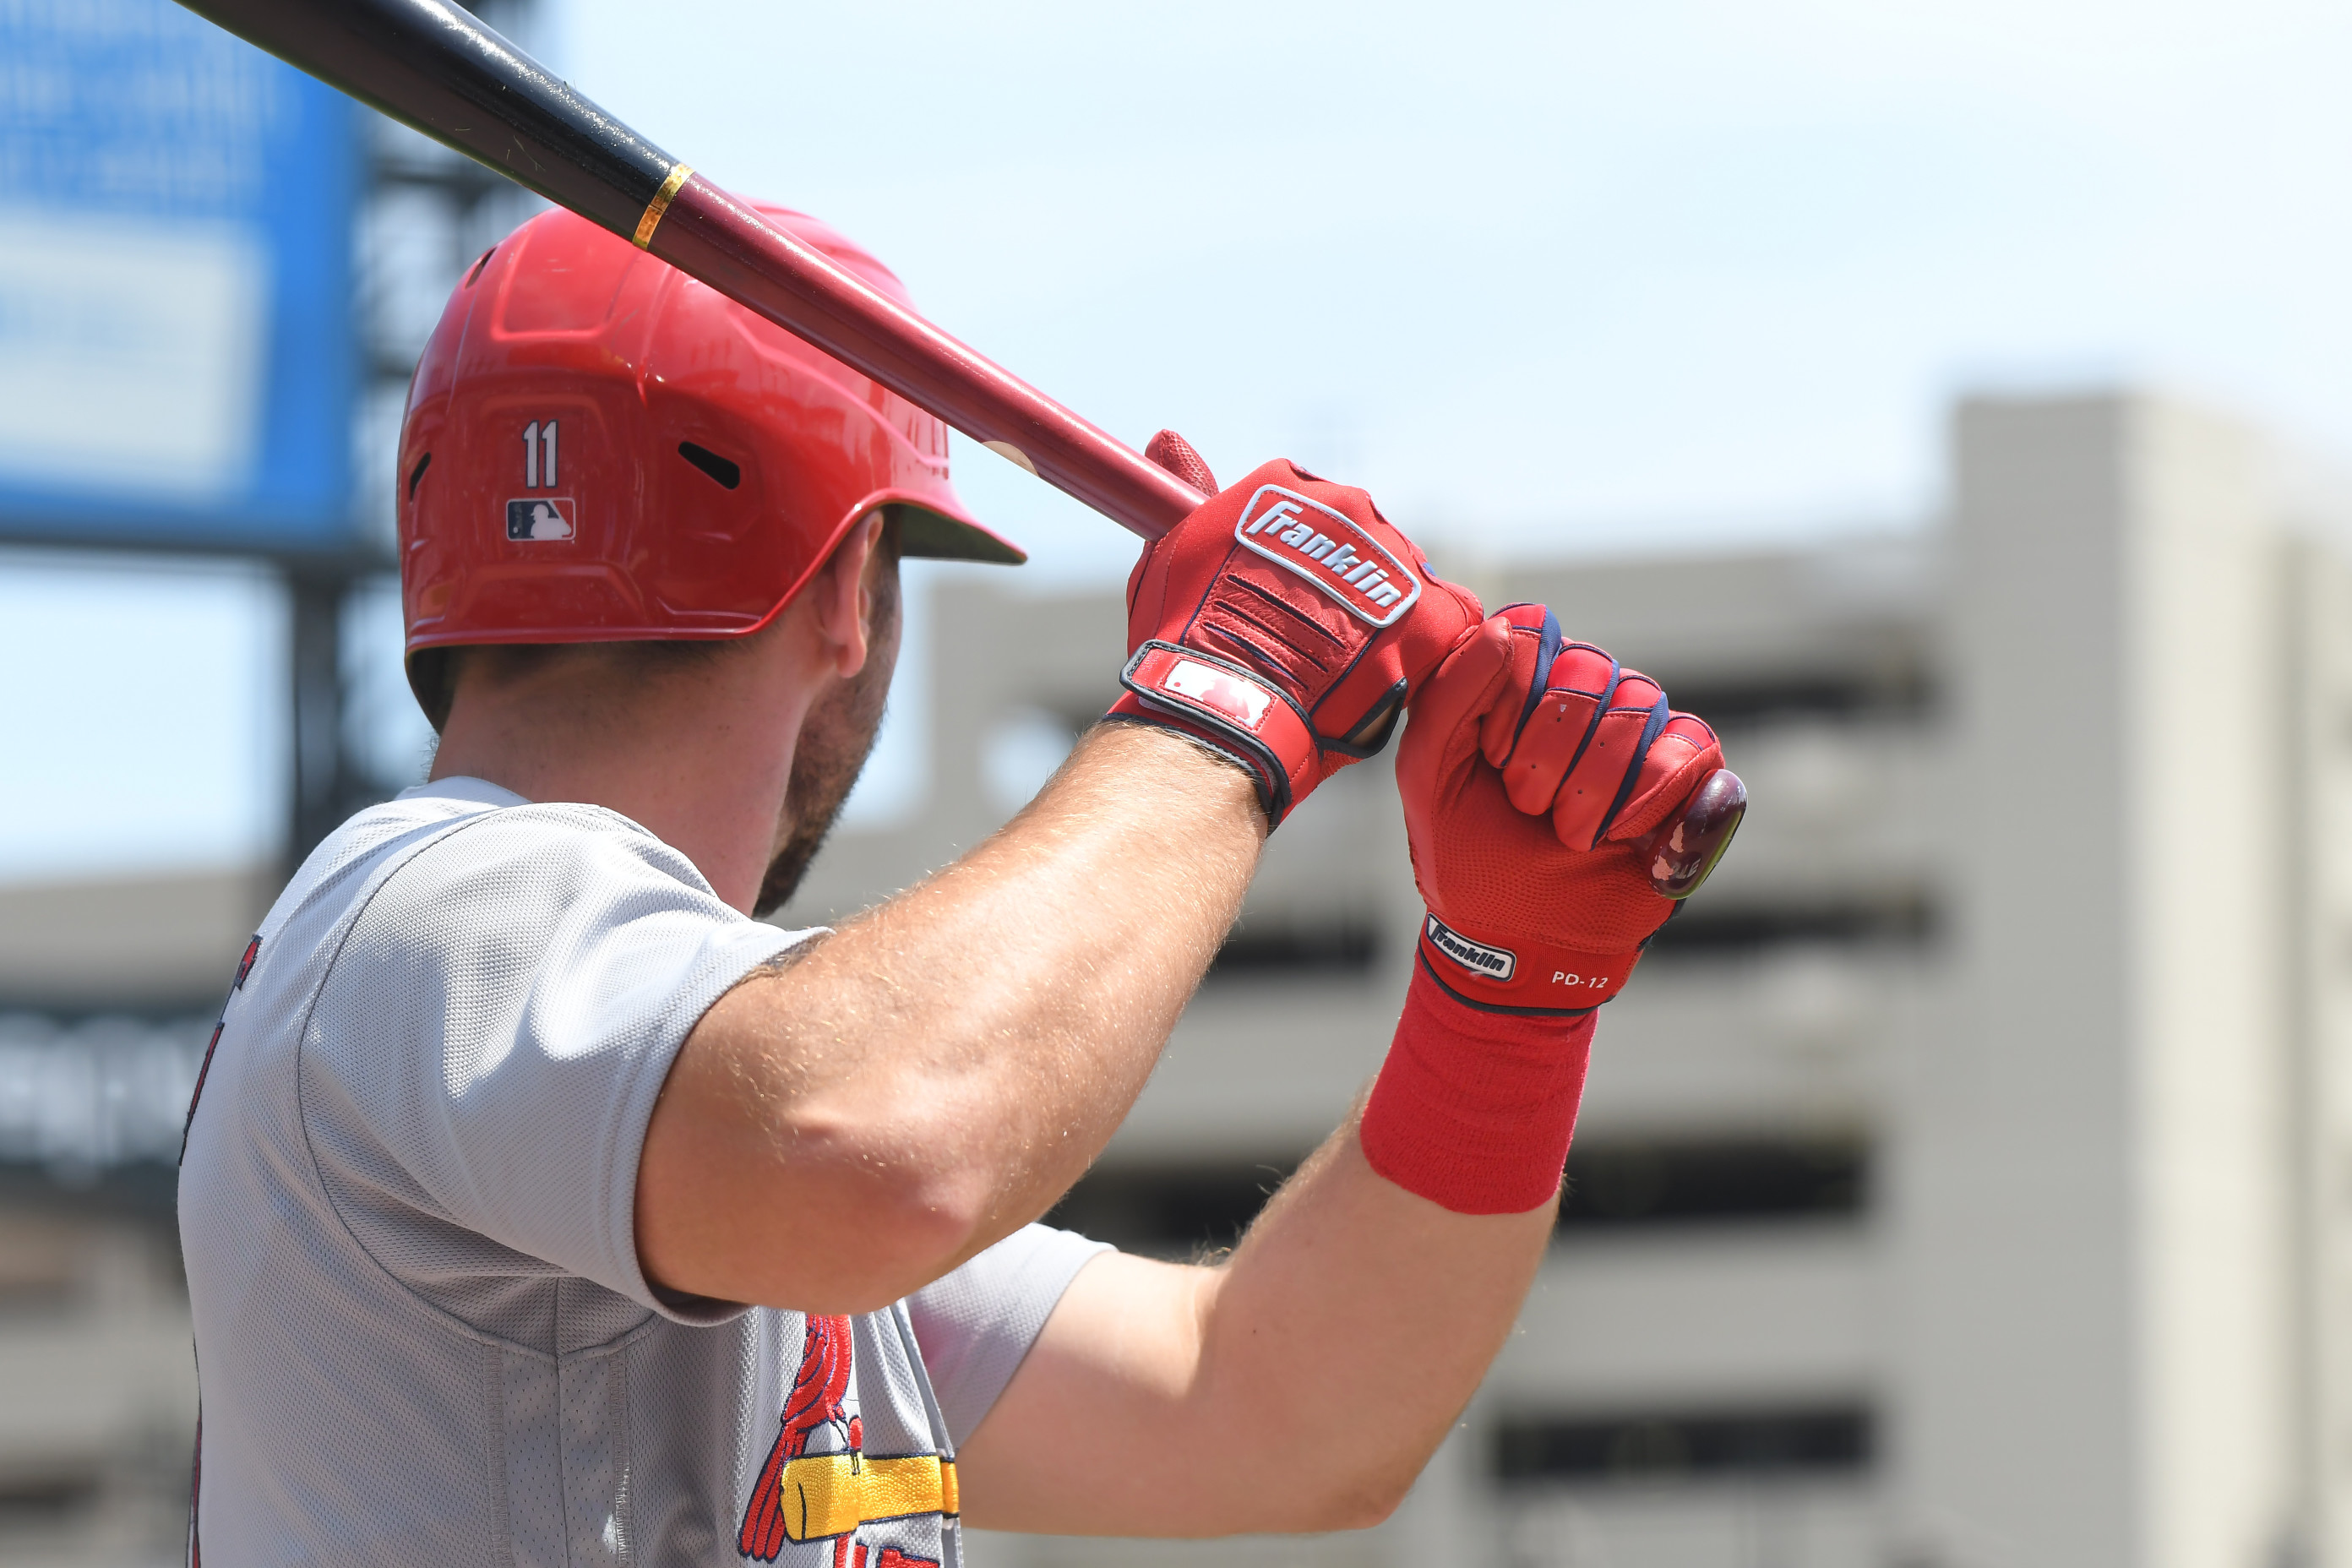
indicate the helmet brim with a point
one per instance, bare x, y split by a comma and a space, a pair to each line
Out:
931, 534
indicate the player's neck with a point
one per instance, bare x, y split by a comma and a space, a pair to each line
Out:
698, 755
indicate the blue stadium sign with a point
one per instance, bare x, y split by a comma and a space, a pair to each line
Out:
177, 353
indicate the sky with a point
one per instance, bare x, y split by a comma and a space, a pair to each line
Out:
1545, 278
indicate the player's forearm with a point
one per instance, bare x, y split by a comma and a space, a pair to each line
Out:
934, 1074
1350, 1328
1015, 1003
1300, 1387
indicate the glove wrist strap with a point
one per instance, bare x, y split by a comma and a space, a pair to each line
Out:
1473, 1109
1520, 976
1231, 708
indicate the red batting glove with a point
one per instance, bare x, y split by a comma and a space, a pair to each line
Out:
1530, 773
1286, 623
1532, 770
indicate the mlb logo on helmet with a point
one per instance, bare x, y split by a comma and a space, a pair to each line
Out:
542, 518
1323, 546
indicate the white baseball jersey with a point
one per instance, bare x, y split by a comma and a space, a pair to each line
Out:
407, 1202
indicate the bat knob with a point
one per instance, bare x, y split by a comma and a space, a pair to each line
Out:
1686, 848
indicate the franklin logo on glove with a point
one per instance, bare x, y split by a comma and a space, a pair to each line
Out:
1322, 546
1495, 962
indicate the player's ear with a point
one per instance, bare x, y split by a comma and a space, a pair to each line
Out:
842, 593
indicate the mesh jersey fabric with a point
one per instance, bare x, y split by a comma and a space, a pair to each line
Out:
405, 1208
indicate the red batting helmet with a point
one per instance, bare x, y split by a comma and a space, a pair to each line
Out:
598, 448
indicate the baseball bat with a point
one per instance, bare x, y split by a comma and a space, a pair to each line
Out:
440, 70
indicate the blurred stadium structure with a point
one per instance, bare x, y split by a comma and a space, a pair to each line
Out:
79, 1099
112, 116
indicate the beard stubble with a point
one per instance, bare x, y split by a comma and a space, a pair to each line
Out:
835, 739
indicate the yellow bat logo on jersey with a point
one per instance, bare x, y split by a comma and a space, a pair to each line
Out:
801, 1497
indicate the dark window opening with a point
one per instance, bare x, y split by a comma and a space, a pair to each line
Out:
727, 474
1684, 1445
1697, 930
1618, 1182
1335, 949
146, 1188
38, 1499
1738, 704
416, 474
1172, 1211
1183, 1209
479, 262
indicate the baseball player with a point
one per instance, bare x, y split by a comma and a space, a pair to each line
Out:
541, 1206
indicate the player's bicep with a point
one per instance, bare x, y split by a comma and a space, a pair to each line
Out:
755, 1186
704, 1179
1093, 1435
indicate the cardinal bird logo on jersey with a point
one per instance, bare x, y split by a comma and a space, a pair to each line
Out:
814, 1405
805, 1496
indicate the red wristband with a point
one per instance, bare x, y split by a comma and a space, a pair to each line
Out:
1474, 1110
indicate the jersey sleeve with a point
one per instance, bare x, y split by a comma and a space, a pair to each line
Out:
975, 1325
484, 1054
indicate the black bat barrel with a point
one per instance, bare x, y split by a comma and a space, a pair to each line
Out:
433, 66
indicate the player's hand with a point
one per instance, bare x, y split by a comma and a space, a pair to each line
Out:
1286, 623
1532, 771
